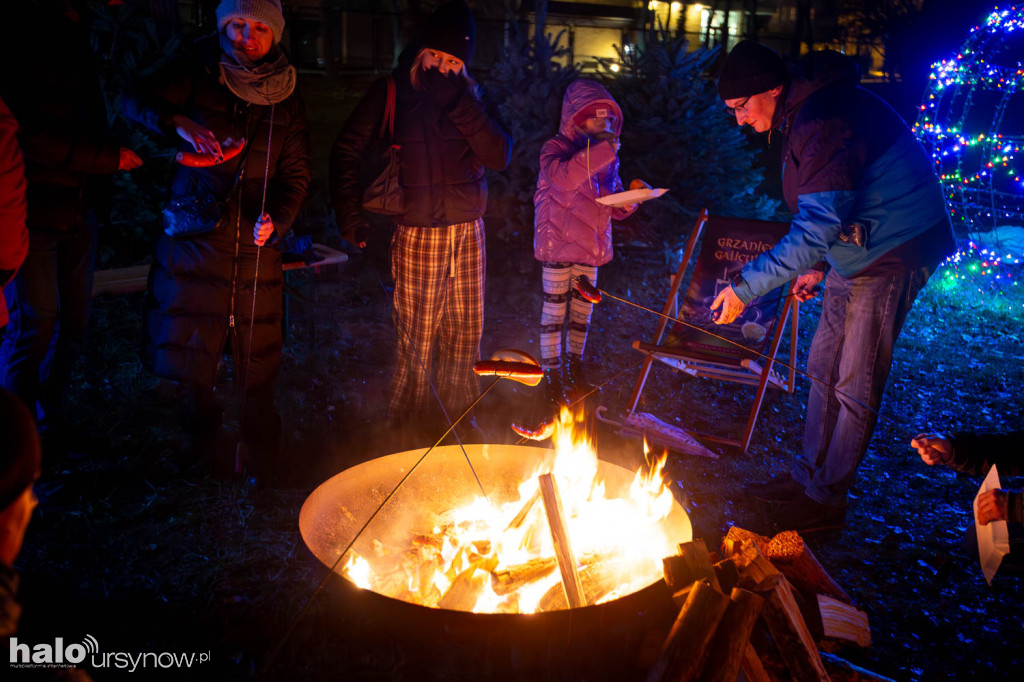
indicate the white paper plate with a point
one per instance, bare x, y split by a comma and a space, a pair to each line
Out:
633, 196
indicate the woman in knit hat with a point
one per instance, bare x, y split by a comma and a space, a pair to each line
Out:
233, 85
447, 140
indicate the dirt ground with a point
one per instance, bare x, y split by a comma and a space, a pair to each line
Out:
146, 561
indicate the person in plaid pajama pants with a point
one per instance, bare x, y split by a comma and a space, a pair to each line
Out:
446, 139
439, 307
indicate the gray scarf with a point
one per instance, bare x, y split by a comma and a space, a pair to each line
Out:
268, 81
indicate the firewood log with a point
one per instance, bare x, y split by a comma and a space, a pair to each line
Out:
686, 648
728, 575
794, 558
527, 507
736, 536
794, 641
752, 666
598, 578
514, 577
759, 575
841, 621
464, 591
692, 563
571, 581
732, 637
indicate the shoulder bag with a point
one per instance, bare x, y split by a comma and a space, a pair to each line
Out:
384, 194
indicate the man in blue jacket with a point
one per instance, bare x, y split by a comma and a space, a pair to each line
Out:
869, 218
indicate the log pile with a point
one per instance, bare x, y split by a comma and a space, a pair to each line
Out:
763, 607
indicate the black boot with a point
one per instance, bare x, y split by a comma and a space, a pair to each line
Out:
576, 383
554, 390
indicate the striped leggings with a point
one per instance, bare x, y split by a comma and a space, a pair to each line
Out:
558, 295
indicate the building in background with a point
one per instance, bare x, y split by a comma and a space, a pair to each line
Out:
366, 35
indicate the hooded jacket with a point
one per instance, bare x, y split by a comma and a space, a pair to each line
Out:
575, 170
443, 153
201, 287
848, 159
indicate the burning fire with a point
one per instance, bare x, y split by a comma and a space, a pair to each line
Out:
500, 558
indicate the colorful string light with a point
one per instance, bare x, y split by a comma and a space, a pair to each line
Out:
978, 168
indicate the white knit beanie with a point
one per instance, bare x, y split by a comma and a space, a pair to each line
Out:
265, 11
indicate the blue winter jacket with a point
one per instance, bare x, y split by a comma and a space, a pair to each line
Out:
848, 159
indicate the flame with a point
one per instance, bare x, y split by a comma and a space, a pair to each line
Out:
460, 562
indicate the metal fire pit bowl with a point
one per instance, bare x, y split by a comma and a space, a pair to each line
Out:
593, 642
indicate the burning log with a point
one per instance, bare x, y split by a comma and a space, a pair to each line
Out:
788, 629
525, 511
686, 648
599, 578
691, 564
841, 621
462, 594
794, 558
732, 637
560, 538
514, 577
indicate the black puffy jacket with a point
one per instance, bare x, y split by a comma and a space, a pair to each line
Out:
443, 154
201, 288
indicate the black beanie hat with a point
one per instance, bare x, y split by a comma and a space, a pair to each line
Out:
750, 69
20, 456
450, 29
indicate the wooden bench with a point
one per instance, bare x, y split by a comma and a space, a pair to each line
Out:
133, 278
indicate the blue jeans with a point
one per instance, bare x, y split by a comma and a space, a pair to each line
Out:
861, 318
50, 300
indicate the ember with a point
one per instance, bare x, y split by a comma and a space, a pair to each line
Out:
447, 546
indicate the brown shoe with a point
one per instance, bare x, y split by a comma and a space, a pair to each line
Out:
779, 489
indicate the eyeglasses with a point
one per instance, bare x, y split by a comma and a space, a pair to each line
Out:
739, 107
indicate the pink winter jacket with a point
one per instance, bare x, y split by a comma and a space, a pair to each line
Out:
569, 225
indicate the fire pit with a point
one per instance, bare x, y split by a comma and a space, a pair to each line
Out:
602, 638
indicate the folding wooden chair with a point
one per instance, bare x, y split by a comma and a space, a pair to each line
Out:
728, 243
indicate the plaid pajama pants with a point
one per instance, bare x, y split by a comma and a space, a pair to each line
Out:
438, 315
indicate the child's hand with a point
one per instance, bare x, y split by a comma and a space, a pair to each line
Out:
639, 184
611, 137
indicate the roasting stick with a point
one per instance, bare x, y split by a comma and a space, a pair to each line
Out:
239, 455
277, 650
587, 289
434, 391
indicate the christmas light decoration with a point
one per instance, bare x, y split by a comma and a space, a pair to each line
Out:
971, 121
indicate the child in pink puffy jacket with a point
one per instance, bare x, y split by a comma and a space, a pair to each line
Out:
572, 231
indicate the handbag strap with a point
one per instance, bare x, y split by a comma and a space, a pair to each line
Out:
388, 123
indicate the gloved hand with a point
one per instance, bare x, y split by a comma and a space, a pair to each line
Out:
610, 136
356, 230
443, 90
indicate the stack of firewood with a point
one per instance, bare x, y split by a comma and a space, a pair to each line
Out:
763, 608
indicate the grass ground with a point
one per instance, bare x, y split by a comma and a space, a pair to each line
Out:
145, 562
